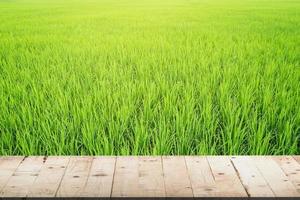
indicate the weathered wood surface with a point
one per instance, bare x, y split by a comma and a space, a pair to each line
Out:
150, 176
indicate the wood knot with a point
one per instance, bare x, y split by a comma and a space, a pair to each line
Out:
101, 174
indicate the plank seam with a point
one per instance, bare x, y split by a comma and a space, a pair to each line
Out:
88, 175
263, 176
163, 174
1, 189
211, 172
295, 158
287, 176
284, 173
44, 160
113, 178
62, 177
24, 158
188, 176
239, 177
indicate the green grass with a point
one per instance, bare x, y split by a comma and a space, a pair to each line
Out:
149, 77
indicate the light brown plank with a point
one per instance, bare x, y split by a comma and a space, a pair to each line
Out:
143, 176
8, 166
151, 178
99, 182
291, 168
176, 177
253, 181
227, 180
50, 176
125, 183
20, 182
297, 158
201, 177
273, 174
75, 177
138, 177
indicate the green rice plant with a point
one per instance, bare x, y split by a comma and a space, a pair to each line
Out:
149, 77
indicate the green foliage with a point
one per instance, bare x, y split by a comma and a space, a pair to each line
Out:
149, 77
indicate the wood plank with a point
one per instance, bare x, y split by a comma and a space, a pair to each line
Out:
151, 178
275, 177
138, 177
227, 180
297, 158
253, 181
75, 177
8, 166
198, 176
126, 177
201, 177
50, 176
291, 168
176, 177
99, 182
22, 179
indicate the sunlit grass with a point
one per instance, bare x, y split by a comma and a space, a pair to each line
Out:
148, 77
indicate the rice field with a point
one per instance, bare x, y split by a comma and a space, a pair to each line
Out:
149, 77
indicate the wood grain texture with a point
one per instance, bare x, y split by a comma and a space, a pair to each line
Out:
50, 176
75, 177
150, 176
8, 166
275, 177
138, 177
201, 177
226, 178
291, 168
21, 180
251, 178
126, 177
297, 158
177, 181
100, 179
